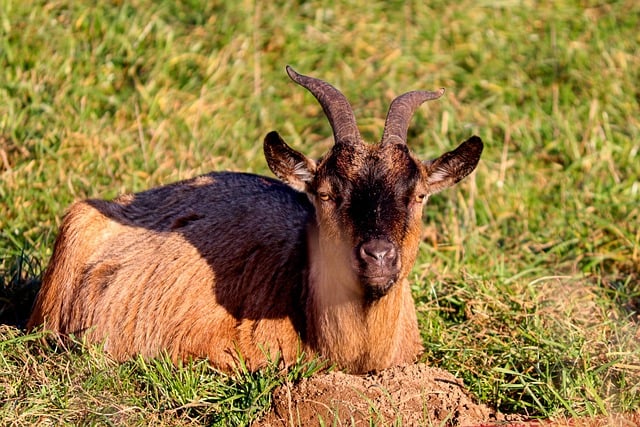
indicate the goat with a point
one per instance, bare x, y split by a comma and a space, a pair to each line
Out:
233, 264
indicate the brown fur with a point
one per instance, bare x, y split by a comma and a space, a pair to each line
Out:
229, 264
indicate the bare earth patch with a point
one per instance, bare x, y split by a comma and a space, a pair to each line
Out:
407, 395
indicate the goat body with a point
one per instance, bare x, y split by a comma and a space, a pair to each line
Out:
233, 264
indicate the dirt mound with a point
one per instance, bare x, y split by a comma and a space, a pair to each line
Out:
408, 396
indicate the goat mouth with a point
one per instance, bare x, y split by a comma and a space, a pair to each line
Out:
377, 286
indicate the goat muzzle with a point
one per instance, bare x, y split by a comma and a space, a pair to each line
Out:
379, 266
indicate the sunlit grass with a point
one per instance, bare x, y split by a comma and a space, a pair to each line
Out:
527, 283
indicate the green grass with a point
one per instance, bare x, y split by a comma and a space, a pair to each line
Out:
527, 283
80, 386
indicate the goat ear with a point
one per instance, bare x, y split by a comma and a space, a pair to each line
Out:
451, 167
290, 166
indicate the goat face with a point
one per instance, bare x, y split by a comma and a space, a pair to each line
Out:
366, 197
369, 198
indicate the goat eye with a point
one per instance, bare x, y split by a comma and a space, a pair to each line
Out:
324, 196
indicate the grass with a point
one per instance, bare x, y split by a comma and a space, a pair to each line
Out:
527, 283
80, 386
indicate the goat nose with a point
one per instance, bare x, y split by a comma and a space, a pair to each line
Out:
378, 251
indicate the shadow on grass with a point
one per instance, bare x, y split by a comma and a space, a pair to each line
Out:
20, 277
631, 298
624, 289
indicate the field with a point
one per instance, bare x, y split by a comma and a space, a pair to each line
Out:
528, 279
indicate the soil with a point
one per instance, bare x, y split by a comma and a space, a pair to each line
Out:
414, 395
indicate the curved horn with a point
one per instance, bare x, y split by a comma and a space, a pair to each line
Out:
401, 111
335, 106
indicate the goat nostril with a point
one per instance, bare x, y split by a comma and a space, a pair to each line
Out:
378, 251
